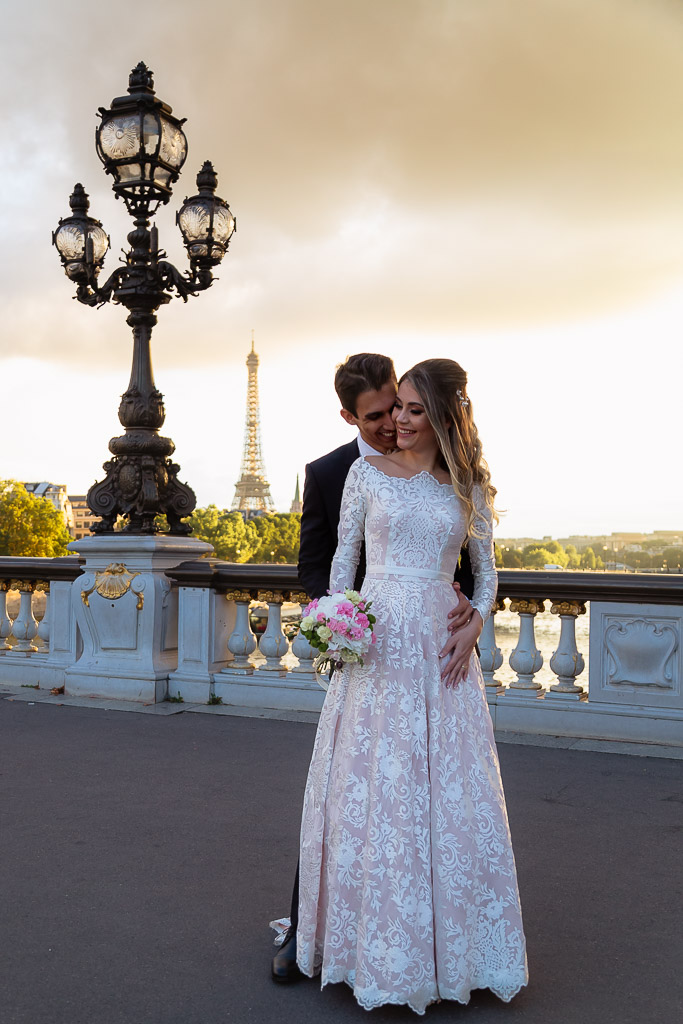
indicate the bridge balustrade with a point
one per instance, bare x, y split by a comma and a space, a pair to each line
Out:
634, 689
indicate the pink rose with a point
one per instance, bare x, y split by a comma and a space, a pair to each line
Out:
362, 620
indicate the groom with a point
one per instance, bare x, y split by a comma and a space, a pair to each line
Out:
366, 387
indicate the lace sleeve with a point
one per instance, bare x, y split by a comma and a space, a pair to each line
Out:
351, 530
483, 561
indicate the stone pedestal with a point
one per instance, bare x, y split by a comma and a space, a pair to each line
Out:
127, 613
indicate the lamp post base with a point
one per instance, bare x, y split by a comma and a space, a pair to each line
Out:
127, 613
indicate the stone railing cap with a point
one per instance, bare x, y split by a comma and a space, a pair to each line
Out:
55, 570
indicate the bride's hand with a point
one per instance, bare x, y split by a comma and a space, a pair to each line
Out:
459, 646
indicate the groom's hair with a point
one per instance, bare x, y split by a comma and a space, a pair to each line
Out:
366, 371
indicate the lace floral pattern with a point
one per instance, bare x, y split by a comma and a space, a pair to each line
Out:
408, 890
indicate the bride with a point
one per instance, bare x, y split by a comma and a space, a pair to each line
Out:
408, 890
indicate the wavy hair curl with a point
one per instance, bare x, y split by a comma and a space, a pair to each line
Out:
442, 387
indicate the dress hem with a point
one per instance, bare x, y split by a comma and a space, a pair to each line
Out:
371, 1004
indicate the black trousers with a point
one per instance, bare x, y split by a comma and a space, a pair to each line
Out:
294, 912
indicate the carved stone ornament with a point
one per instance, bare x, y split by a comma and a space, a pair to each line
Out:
568, 608
112, 583
532, 606
271, 596
238, 595
641, 653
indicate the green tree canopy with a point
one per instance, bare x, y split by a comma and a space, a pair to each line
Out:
512, 559
536, 558
268, 538
573, 557
673, 557
588, 559
278, 538
30, 526
233, 539
638, 559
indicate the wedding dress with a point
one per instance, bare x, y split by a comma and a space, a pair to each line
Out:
408, 890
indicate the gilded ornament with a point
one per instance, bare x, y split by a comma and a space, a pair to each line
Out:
568, 608
112, 583
271, 596
299, 597
527, 607
238, 595
43, 585
23, 586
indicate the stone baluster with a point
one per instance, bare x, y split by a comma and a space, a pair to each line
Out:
241, 642
490, 654
44, 624
25, 626
567, 662
273, 644
301, 647
526, 659
5, 621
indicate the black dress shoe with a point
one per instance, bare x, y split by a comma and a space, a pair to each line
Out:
284, 962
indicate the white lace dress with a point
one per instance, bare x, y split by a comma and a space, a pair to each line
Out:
408, 890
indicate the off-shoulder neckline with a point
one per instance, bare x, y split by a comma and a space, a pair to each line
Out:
415, 476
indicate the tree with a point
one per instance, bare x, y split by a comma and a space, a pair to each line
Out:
574, 561
673, 557
637, 559
560, 556
537, 557
30, 525
512, 558
233, 539
588, 559
267, 538
498, 552
278, 538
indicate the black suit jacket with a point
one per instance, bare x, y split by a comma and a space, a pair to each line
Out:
323, 489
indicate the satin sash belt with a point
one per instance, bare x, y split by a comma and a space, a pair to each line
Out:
402, 570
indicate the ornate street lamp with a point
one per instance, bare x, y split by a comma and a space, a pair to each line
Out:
143, 146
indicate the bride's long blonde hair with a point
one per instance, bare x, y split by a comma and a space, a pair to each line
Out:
442, 387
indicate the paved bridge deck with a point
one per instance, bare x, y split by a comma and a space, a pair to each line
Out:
143, 855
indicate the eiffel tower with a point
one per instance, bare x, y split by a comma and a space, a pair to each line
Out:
252, 490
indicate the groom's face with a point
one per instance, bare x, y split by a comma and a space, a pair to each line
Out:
373, 417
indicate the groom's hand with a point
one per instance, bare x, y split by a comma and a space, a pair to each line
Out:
458, 650
461, 614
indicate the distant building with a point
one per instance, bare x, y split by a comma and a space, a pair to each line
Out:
57, 496
296, 504
84, 519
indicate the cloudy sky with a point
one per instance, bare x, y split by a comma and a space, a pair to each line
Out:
494, 182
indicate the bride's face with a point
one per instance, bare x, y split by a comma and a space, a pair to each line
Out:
413, 430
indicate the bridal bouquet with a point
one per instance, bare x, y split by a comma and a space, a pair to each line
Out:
340, 627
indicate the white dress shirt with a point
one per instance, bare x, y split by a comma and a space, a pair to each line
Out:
365, 449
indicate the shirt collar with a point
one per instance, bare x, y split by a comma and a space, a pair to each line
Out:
366, 449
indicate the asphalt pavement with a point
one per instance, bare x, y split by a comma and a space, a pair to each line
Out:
142, 857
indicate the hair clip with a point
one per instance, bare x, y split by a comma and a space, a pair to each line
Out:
464, 402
